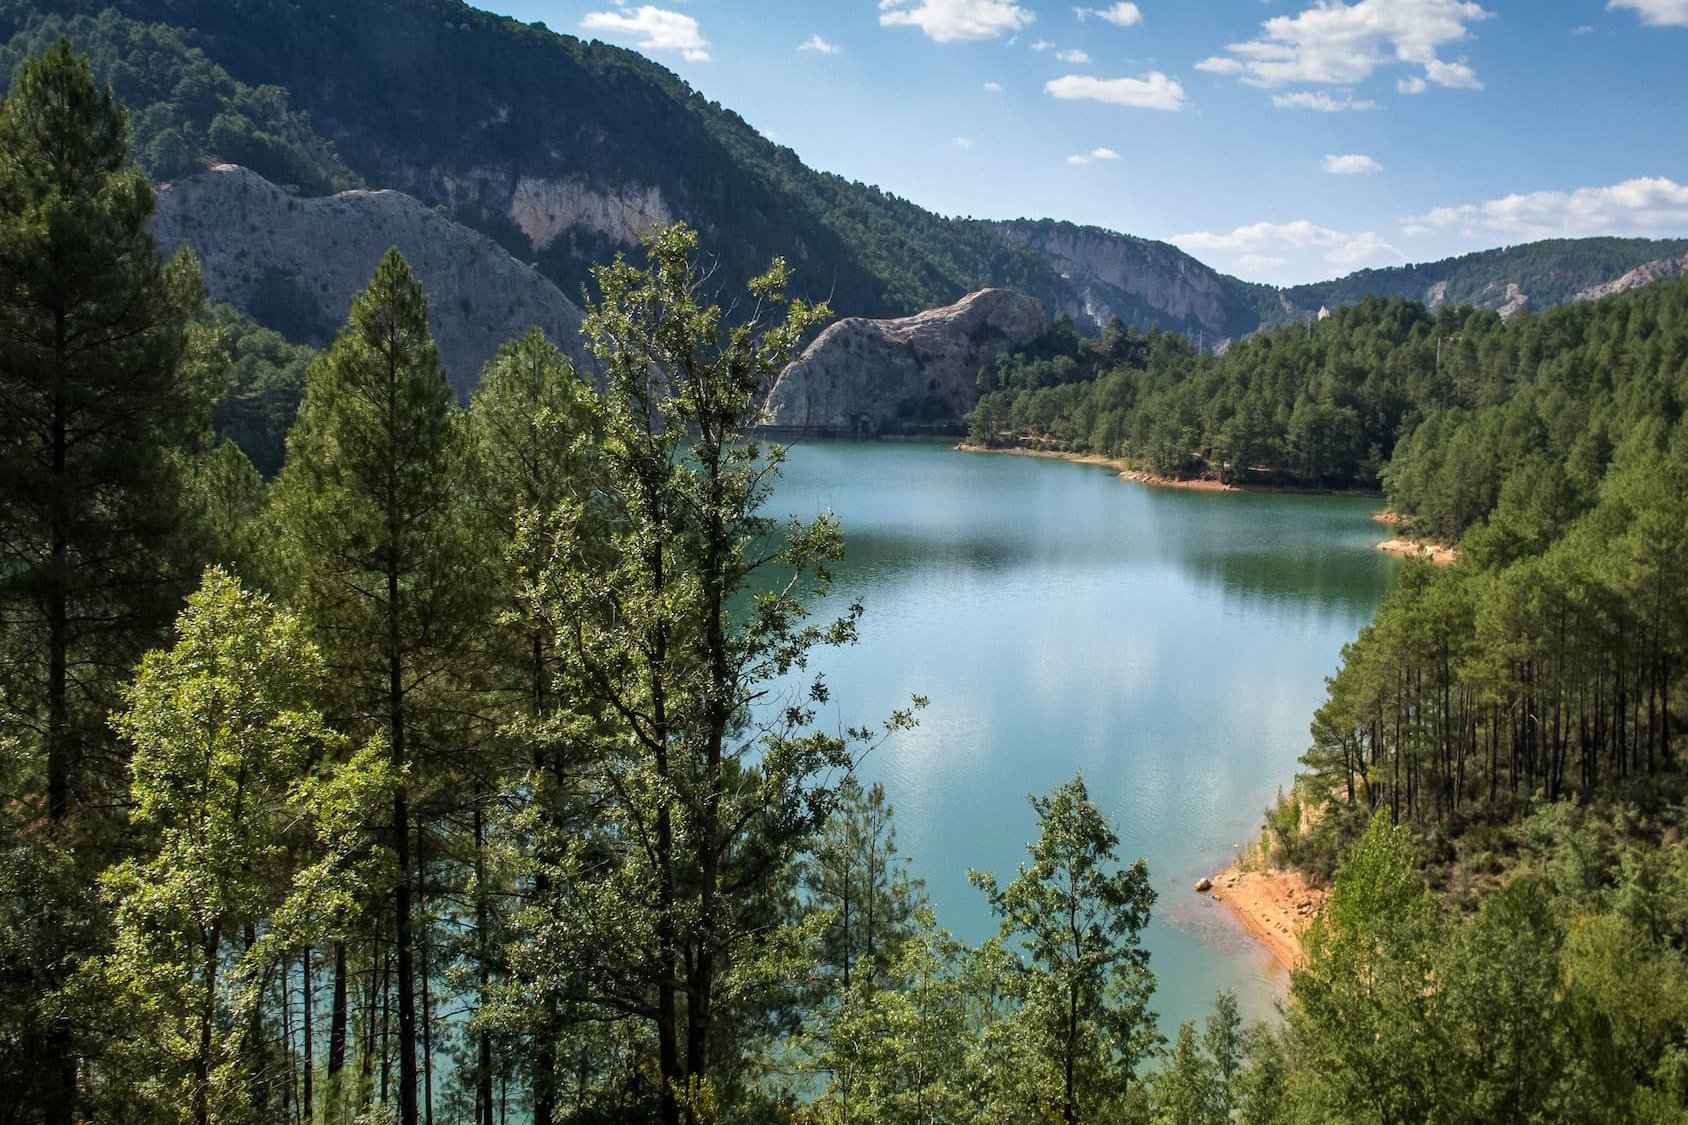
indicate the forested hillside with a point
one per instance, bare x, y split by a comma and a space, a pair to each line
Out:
530, 124
434, 781
1548, 273
563, 151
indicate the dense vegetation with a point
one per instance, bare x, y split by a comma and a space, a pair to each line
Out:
1550, 272
478, 773
522, 102
188, 112
471, 768
1315, 405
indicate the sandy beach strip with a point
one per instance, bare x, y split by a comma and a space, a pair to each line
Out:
1275, 907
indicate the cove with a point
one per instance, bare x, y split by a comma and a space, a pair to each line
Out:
1171, 644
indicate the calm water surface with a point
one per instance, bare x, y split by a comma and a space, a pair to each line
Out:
1171, 644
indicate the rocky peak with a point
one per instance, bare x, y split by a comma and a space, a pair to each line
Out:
864, 376
1645, 274
294, 264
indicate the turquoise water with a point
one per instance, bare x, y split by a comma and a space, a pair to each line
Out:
1172, 644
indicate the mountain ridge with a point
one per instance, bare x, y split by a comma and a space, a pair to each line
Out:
561, 150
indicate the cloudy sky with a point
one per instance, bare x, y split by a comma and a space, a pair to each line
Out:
1280, 141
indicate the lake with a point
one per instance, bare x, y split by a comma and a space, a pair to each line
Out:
1172, 644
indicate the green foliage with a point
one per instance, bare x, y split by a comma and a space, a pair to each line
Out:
266, 384
1551, 1003
1084, 1021
1309, 405
235, 790
188, 112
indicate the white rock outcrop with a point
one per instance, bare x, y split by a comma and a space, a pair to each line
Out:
259, 245
864, 376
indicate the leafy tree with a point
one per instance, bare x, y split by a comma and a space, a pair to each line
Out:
1086, 981
706, 802
1363, 1023
235, 779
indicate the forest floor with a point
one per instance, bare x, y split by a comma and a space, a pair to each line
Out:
1273, 906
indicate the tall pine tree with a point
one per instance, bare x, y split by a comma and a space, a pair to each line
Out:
370, 510
99, 408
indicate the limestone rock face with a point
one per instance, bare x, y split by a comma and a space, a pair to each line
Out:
294, 264
1139, 280
1641, 275
865, 376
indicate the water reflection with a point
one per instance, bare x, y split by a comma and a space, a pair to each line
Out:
1171, 644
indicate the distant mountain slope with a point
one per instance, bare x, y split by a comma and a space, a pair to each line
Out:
1546, 273
1146, 283
563, 151
294, 265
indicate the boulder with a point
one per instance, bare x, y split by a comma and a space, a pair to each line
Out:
867, 377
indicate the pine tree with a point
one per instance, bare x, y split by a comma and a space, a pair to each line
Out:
99, 409
369, 506
533, 433
1086, 979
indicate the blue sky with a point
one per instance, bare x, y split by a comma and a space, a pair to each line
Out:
1280, 141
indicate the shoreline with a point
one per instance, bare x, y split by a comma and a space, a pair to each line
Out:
1138, 476
1273, 907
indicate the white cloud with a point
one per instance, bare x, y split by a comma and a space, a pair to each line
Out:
1353, 164
948, 20
1072, 56
1657, 13
1650, 205
1320, 101
992, 87
1152, 91
1413, 85
1042, 45
652, 29
1220, 65
963, 142
1263, 247
1121, 15
1455, 74
1093, 154
819, 45
1337, 43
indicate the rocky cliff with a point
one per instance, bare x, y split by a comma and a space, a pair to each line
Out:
1641, 275
1146, 283
919, 372
294, 264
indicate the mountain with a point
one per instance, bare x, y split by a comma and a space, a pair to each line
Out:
1146, 283
294, 265
562, 151
1538, 275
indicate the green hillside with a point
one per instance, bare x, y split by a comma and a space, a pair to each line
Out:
1550, 273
